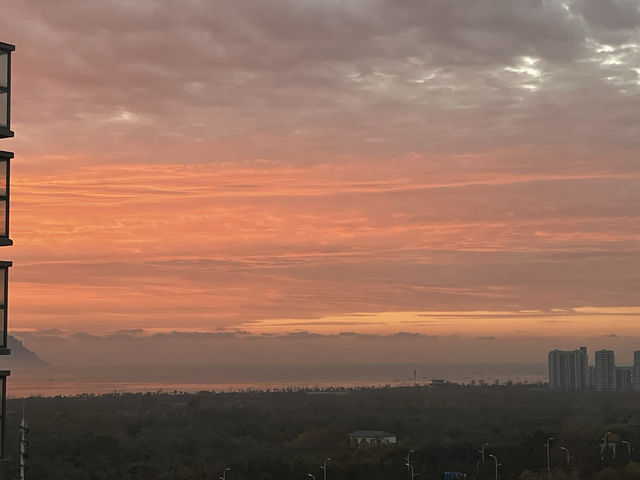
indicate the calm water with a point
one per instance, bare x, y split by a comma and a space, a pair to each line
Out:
51, 381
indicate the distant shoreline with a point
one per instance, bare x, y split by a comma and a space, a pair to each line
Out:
52, 381
310, 390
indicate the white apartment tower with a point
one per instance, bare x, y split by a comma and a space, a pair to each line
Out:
605, 371
568, 370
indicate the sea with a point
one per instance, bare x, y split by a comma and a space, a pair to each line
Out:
54, 381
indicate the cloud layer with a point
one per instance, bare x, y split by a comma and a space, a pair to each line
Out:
226, 347
200, 164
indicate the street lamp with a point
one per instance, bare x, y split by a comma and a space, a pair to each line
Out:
224, 473
411, 474
482, 450
324, 468
409, 454
495, 459
548, 458
5, 89
566, 450
606, 445
408, 463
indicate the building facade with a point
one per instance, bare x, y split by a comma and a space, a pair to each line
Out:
591, 377
568, 370
623, 379
605, 371
5, 163
635, 372
371, 437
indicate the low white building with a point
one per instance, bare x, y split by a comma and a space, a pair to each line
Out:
371, 437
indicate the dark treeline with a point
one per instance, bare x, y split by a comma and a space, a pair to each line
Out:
287, 435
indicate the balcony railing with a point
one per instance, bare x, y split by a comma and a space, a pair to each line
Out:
4, 296
5, 168
5, 90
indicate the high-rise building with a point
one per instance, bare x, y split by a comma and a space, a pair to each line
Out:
635, 372
568, 369
605, 371
591, 377
623, 379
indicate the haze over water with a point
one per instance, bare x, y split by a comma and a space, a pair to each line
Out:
52, 381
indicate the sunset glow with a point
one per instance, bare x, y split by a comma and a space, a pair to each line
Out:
417, 176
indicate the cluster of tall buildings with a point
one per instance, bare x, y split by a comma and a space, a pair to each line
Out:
569, 370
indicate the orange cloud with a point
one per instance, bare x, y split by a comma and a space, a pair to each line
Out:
165, 245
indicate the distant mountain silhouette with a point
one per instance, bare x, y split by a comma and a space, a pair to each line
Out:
21, 356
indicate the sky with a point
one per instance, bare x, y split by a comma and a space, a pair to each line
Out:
324, 180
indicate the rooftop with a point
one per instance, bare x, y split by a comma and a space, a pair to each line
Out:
371, 434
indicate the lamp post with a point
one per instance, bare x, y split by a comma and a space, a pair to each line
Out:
606, 445
495, 459
409, 455
224, 473
482, 450
408, 463
566, 450
411, 474
324, 468
24, 432
548, 456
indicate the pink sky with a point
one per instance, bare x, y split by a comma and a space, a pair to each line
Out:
301, 169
